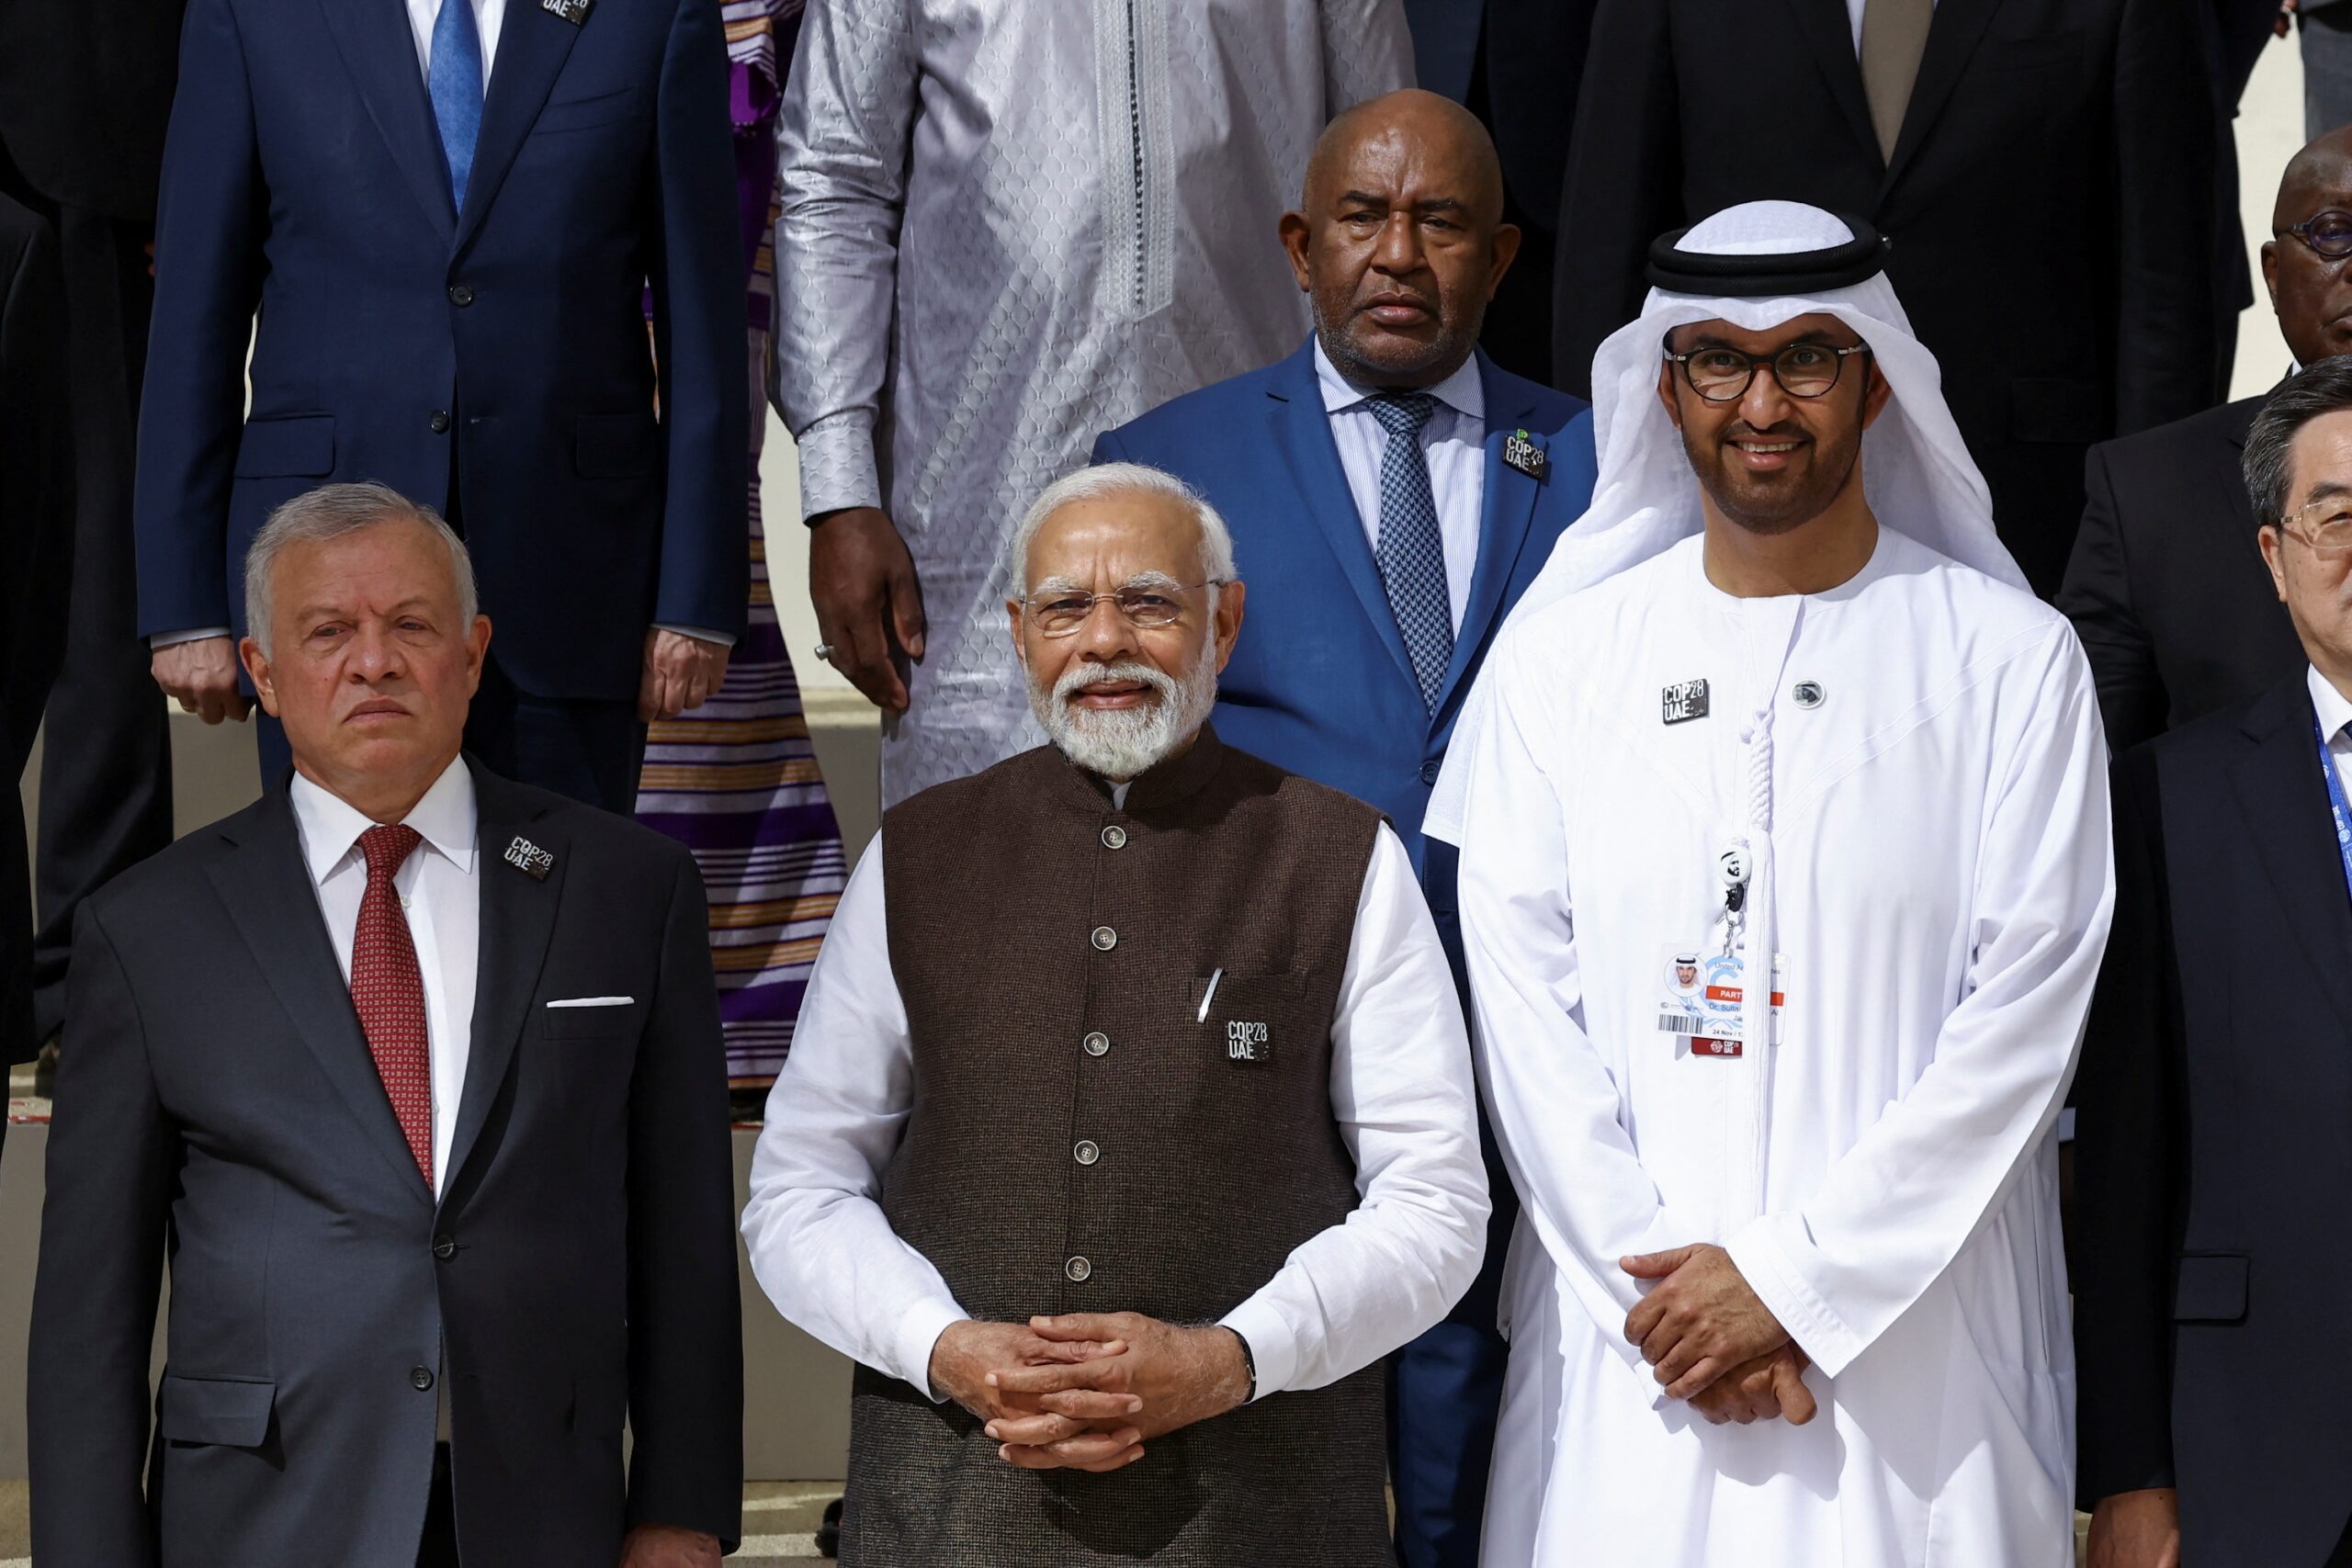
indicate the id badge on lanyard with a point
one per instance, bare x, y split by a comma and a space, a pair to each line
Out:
1706, 987
2337, 805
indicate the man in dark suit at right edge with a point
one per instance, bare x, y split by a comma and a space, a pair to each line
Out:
2046, 192
2212, 1165
2163, 587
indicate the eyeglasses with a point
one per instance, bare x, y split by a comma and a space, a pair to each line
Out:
1146, 608
1803, 369
2325, 526
2329, 233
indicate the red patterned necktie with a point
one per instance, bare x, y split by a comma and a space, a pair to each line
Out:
387, 989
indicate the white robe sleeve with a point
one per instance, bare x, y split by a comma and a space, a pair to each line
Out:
1899, 1206
1551, 1099
820, 1245
1401, 1093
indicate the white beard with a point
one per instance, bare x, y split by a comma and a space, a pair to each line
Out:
1121, 743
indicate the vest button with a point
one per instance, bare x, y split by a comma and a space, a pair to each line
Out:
1105, 939
1086, 1152
1114, 837
1097, 1044
1077, 1269
420, 1379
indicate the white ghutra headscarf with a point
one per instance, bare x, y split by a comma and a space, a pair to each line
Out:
1917, 473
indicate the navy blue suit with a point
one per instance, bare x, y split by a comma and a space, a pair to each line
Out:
494, 360
1320, 684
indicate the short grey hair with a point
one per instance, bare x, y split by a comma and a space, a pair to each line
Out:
2321, 389
331, 511
1119, 479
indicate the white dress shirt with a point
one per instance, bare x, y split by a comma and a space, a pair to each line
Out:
2334, 710
440, 889
1401, 1091
489, 14
1453, 443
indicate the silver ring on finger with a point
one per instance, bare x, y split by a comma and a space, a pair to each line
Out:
825, 651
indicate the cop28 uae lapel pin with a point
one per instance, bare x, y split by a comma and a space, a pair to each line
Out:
530, 859
1522, 453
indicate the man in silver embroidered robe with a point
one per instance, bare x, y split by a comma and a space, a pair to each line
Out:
1007, 227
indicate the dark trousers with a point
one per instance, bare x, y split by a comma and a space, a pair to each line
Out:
437, 1548
1444, 1391
105, 777
589, 750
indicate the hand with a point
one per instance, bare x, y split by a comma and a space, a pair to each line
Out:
1085, 1429
1769, 1388
201, 676
2137, 1529
681, 673
1180, 1375
1701, 1321
862, 583
661, 1546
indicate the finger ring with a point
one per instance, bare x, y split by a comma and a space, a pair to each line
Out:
825, 651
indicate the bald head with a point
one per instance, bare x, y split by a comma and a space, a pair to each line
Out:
1400, 239
2311, 292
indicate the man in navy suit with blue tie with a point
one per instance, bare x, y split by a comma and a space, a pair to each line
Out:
448, 214
1391, 493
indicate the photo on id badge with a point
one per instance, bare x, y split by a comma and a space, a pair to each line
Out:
1699, 997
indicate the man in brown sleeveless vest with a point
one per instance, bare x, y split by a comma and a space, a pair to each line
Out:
1129, 1120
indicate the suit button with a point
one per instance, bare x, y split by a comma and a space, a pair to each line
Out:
439, 422
444, 1248
420, 1379
1429, 773
1105, 939
1077, 1269
460, 295
1114, 837
1086, 1152
1097, 1044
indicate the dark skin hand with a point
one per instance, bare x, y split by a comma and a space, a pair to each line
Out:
1176, 1376
869, 606
1701, 1321
2311, 294
1400, 239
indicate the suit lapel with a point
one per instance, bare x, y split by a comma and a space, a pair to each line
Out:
379, 52
1302, 434
533, 44
1952, 39
1507, 504
517, 920
267, 891
1828, 29
2285, 802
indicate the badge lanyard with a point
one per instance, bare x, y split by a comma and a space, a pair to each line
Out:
2336, 803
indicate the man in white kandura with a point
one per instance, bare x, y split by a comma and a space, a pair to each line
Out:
1806, 1304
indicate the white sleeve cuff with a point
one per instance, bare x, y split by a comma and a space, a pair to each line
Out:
166, 639
1274, 1349
1758, 1253
837, 467
919, 1332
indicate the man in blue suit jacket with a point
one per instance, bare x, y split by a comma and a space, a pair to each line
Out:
447, 214
1379, 571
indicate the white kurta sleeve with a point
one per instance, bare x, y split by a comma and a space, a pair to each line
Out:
1551, 1097
1367, 51
1401, 1092
842, 146
1899, 1206
820, 1245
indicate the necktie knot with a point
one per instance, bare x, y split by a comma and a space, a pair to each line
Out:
1403, 414
386, 846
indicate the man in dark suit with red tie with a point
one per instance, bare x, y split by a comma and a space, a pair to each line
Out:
415, 1075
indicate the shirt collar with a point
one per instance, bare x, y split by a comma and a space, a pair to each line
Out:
445, 818
1463, 391
2335, 709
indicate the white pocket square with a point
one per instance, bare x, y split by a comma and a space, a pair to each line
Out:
593, 1003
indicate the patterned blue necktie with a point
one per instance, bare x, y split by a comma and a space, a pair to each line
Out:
454, 77
1412, 552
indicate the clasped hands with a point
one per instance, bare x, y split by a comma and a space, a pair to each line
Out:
1085, 1391
1713, 1342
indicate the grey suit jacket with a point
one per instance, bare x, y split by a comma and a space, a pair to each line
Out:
216, 1101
